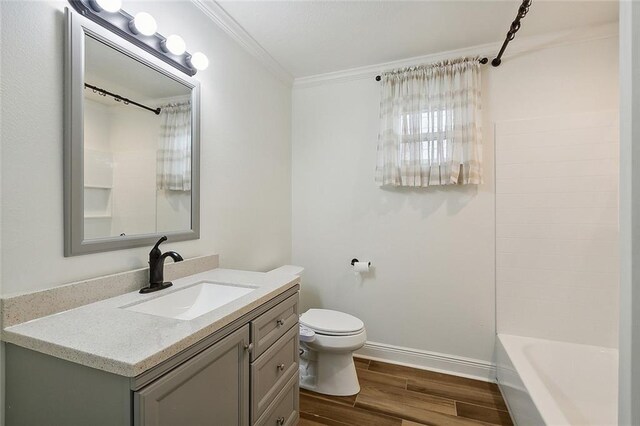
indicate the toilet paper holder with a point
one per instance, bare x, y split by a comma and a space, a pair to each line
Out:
354, 261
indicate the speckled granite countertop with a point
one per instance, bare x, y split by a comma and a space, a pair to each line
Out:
104, 336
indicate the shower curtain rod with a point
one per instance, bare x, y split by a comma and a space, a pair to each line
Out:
511, 34
119, 98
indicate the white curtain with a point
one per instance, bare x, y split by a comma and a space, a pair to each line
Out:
174, 150
430, 131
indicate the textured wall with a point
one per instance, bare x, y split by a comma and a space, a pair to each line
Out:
246, 195
433, 288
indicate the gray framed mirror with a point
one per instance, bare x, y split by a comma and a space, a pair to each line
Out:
132, 144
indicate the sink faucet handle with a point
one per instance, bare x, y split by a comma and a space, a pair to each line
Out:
160, 241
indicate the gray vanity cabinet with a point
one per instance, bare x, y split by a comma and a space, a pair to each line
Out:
246, 373
211, 388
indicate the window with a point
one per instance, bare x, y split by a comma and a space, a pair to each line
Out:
429, 125
430, 135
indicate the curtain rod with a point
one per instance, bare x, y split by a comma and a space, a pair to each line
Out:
119, 98
511, 34
481, 60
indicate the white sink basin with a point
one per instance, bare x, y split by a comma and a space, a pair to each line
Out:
191, 302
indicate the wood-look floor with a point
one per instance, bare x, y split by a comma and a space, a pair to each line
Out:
401, 396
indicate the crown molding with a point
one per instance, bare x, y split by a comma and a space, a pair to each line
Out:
516, 48
212, 10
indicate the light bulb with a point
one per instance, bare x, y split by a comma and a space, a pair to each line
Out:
175, 44
145, 24
111, 6
200, 61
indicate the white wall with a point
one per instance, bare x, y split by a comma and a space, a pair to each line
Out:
433, 250
134, 142
557, 262
629, 377
98, 170
173, 210
97, 126
245, 138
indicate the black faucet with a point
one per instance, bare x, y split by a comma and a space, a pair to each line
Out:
156, 267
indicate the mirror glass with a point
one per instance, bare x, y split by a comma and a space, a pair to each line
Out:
137, 148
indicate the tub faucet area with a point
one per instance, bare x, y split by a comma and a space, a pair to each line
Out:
156, 267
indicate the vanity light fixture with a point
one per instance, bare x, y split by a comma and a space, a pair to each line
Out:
174, 44
141, 30
111, 6
199, 60
143, 23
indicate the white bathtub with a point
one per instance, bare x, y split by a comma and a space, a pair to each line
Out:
557, 383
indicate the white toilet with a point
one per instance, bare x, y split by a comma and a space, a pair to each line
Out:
326, 362
327, 342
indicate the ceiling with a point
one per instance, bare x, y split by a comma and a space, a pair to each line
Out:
315, 37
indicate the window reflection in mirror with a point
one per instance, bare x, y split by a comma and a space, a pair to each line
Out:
137, 147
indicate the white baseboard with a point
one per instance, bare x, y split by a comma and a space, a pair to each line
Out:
442, 363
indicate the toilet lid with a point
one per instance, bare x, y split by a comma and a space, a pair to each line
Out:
331, 322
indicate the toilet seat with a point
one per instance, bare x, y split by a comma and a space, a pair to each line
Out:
331, 323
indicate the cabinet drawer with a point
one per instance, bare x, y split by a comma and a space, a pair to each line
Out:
271, 325
284, 409
272, 371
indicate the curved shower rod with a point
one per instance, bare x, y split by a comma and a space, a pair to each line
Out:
511, 34
120, 98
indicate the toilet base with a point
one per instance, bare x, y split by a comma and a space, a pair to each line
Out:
335, 374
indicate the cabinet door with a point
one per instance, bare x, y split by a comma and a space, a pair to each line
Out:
212, 388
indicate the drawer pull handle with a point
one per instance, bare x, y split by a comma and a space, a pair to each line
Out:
249, 347
281, 367
280, 322
280, 421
